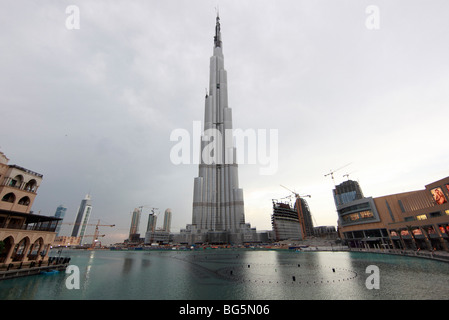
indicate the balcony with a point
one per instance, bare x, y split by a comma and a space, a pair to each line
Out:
30, 186
27, 221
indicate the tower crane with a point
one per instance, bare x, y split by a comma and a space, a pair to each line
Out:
147, 206
96, 234
300, 212
296, 194
331, 173
347, 174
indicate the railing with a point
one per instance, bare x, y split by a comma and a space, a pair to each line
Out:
52, 261
20, 186
436, 255
30, 227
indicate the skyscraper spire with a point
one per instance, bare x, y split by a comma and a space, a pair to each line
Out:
217, 38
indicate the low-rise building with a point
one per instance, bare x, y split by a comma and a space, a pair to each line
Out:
415, 220
25, 237
65, 241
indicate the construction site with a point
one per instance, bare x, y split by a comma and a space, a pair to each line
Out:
293, 222
74, 242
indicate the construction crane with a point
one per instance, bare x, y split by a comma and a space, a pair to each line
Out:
147, 206
331, 173
141, 207
300, 212
296, 194
95, 239
96, 234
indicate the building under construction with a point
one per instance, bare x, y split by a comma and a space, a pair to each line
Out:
305, 216
285, 222
291, 222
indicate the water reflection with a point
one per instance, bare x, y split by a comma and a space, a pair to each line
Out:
127, 265
238, 275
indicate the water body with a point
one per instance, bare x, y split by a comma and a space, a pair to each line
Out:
235, 275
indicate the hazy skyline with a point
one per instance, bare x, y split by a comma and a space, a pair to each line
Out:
92, 108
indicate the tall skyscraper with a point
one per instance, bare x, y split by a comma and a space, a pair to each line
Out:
167, 220
60, 213
135, 223
218, 210
82, 218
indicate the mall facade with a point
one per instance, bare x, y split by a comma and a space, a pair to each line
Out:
415, 220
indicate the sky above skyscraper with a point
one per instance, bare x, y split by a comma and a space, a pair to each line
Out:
362, 85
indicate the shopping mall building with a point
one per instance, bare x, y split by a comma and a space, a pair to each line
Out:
416, 220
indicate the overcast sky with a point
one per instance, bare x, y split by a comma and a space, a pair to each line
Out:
92, 108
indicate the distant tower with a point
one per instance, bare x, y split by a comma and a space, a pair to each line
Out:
152, 219
167, 220
135, 223
82, 218
60, 213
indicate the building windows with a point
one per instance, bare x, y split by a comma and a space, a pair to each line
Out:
435, 214
362, 215
359, 206
9, 197
401, 205
366, 214
421, 217
25, 201
444, 229
430, 230
389, 211
31, 186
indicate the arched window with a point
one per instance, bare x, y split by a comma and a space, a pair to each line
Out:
8, 243
31, 185
17, 181
35, 249
19, 249
25, 201
9, 197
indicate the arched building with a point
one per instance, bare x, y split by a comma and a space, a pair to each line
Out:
24, 236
